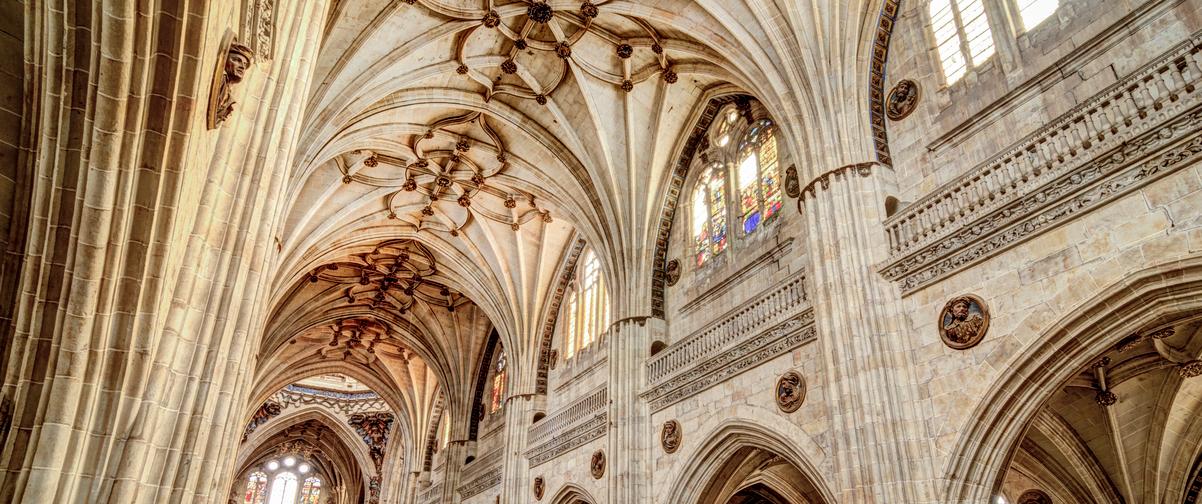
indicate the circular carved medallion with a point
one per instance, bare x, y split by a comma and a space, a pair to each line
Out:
963, 322
902, 100
597, 465
670, 436
790, 391
539, 487
672, 272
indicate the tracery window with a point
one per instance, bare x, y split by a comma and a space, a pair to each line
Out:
256, 488
283, 489
709, 213
962, 35
1034, 12
497, 395
283, 473
311, 491
758, 176
587, 307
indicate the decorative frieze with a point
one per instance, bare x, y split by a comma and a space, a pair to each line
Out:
431, 494
479, 484
1085, 158
347, 403
787, 299
748, 354
564, 442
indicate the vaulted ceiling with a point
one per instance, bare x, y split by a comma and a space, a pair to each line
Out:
482, 139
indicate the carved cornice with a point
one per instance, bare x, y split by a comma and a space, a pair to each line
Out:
479, 484
431, 494
1133, 132
748, 354
569, 440
824, 181
1110, 176
347, 403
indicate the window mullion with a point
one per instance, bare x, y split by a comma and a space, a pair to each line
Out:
962, 35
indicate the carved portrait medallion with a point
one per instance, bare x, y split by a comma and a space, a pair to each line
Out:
539, 487
792, 183
596, 466
670, 436
672, 272
790, 391
963, 322
902, 100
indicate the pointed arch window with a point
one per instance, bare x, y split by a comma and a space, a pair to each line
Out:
587, 307
256, 488
962, 35
500, 373
709, 214
758, 176
283, 489
1035, 12
311, 491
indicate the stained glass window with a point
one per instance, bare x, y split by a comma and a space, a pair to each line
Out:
498, 383
962, 35
588, 305
758, 177
709, 214
256, 488
311, 491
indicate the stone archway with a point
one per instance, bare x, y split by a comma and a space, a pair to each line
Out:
572, 494
990, 442
745, 463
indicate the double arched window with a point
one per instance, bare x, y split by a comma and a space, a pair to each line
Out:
286, 486
741, 155
963, 30
587, 308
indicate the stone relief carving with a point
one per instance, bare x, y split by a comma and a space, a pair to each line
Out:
259, 27
1034, 497
231, 67
596, 466
539, 487
963, 322
903, 99
265, 412
792, 182
672, 272
670, 436
790, 391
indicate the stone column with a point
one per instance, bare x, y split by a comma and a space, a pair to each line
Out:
881, 451
630, 432
452, 469
519, 409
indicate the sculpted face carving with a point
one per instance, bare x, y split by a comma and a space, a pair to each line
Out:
539, 487
1034, 497
790, 391
672, 272
670, 436
903, 99
963, 322
597, 464
230, 69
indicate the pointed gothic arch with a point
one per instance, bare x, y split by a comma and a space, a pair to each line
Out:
990, 435
739, 456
